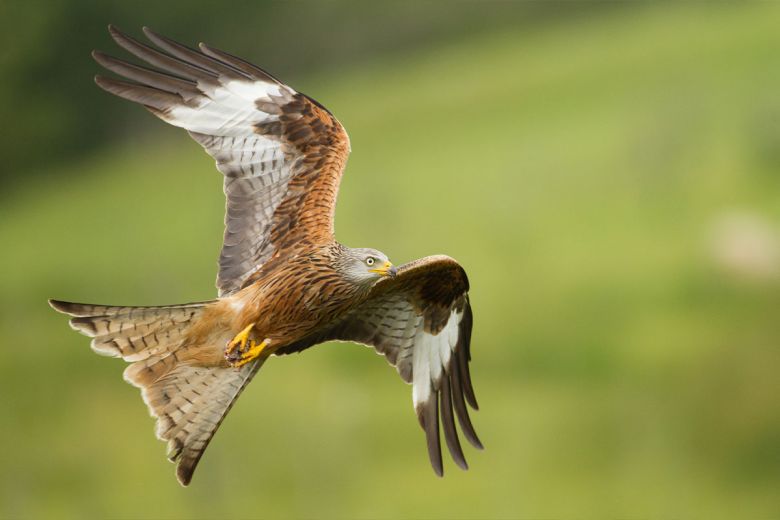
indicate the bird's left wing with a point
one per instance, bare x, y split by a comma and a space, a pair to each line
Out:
282, 154
421, 322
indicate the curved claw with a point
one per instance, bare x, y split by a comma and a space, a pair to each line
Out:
255, 350
239, 341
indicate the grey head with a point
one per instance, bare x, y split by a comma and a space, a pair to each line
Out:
364, 266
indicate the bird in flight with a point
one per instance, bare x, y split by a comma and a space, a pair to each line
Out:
284, 283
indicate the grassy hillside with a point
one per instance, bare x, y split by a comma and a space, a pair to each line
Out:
588, 175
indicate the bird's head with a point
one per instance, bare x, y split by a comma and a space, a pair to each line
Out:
363, 265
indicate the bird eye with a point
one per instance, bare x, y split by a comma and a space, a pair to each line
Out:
370, 261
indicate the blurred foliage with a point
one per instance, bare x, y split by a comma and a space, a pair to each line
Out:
592, 173
47, 69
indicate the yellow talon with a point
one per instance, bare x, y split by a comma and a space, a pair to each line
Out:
254, 351
239, 341
242, 349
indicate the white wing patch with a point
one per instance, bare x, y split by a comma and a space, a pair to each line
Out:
229, 110
431, 356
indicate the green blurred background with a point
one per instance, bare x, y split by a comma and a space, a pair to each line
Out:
608, 174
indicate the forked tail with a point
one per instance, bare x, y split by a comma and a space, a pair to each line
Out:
189, 400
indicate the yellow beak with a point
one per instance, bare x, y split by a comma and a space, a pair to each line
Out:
387, 269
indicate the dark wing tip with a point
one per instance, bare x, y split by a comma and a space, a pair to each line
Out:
111, 85
102, 82
460, 395
249, 69
59, 306
448, 424
463, 356
114, 31
428, 415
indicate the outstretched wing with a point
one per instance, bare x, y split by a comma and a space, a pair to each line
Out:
421, 322
282, 153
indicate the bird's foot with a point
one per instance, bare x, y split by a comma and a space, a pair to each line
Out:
242, 349
254, 351
238, 342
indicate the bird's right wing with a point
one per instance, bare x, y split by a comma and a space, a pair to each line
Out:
282, 154
421, 322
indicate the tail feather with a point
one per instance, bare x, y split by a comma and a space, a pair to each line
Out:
150, 371
131, 333
152, 341
91, 310
189, 401
191, 440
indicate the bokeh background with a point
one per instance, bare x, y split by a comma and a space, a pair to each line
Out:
608, 174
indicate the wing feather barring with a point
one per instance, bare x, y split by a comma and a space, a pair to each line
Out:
284, 282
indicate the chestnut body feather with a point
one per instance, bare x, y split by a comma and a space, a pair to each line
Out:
288, 299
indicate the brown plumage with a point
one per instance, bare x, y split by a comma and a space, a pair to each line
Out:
284, 283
